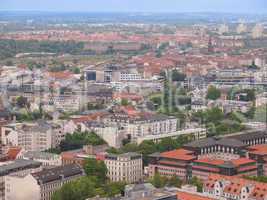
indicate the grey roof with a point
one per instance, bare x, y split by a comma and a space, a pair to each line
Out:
18, 165
125, 155
227, 164
231, 142
39, 155
58, 173
248, 135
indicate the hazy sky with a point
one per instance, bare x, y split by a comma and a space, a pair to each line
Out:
240, 6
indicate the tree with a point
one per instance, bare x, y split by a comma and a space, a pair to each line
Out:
76, 70
177, 76
145, 148
9, 63
79, 189
22, 102
167, 144
159, 181
78, 139
113, 189
198, 183
175, 181
124, 102
94, 168
213, 93
214, 115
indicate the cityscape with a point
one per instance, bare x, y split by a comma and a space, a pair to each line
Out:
133, 100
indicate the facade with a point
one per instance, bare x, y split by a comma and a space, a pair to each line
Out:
144, 124
194, 133
259, 153
126, 167
17, 167
112, 134
29, 136
226, 156
202, 168
177, 162
234, 188
47, 159
41, 185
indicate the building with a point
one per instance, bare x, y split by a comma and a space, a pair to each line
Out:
126, 167
112, 134
17, 167
185, 195
47, 159
140, 124
259, 153
30, 136
137, 191
177, 162
257, 31
194, 133
237, 167
225, 156
234, 188
41, 185
261, 99
79, 156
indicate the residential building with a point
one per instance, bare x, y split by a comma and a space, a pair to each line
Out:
234, 188
41, 185
30, 136
18, 167
47, 159
143, 124
194, 133
126, 167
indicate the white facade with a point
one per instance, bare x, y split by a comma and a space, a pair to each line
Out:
28, 137
125, 167
197, 133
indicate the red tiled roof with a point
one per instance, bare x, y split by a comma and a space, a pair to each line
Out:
13, 152
179, 154
258, 149
189, 196
242, 161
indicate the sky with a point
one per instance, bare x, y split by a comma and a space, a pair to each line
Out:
232, 6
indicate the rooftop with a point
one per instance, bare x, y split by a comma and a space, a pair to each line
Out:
18, 165
57, 173
191, 196
179, 154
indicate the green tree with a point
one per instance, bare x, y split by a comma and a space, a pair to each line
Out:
94, 168
177, 76
198, 183
124, 102
158, 181
22, 102
213, 93
175, 181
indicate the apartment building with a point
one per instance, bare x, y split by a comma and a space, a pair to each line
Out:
144, 124
41, 185
194, 133
30, 136
234, 188
17, 167
126, 167
47, 159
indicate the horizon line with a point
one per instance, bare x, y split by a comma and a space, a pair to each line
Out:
137, 12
